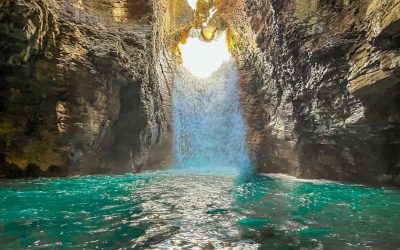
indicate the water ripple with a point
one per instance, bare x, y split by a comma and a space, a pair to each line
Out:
178, 210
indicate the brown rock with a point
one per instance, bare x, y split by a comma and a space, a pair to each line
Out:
320, 99
85, 86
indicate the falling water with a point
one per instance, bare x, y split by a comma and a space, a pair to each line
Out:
209, 129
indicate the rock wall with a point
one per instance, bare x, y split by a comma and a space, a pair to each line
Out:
85, 87
320, 83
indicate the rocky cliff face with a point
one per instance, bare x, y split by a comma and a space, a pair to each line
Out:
85, 87
321, 87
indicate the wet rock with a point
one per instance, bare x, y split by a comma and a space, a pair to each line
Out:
373, 83
389, 36
85, 87
320, 89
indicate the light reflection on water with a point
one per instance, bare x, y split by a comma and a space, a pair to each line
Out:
186, 210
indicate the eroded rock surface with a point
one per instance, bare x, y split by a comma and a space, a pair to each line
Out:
85, 87
321, 88
86, 84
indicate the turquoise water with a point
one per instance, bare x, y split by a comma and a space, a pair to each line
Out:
183, 210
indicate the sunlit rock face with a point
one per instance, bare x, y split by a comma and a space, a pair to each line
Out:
321, 87
84, 86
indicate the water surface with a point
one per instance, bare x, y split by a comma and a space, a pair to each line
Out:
187, 210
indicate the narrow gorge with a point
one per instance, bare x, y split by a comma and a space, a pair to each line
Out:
199, 124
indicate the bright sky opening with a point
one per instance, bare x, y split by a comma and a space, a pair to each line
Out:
203, 58
192, 3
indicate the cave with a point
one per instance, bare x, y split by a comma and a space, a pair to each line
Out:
199, 124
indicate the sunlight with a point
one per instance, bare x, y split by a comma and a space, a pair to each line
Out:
192, 3
203, 58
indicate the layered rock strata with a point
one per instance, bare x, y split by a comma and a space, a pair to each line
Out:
85, 87
321, 88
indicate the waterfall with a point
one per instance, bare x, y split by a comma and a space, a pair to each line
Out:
208, 127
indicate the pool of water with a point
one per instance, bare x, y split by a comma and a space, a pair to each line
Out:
165, 210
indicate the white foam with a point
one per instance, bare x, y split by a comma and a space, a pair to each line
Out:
295, 179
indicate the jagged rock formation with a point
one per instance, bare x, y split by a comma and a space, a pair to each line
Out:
321, 87
85, 87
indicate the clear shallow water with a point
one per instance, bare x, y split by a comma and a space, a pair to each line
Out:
185, 210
